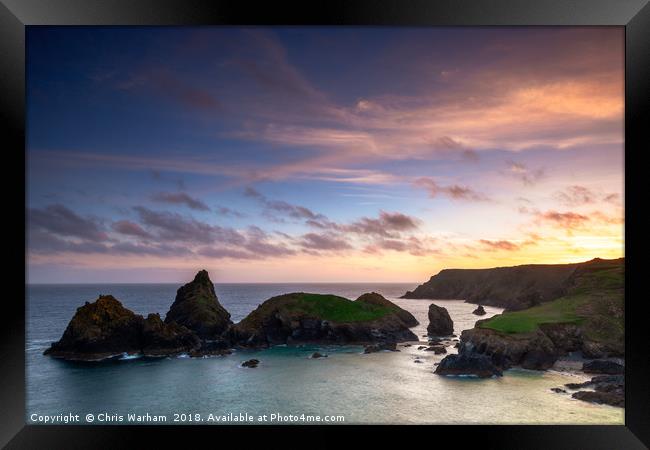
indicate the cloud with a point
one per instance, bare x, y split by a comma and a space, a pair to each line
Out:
317, 241
175, 227
60, 220
528, 176
455, 192
566, 220
577, 195
165, 83
499, 245
129, 228
386, 225
282, 207
224, 211
180, 198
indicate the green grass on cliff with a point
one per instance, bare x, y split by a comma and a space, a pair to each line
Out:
338, 309
562, 310
595, 302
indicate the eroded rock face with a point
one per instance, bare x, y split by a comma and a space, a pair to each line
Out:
606, 398
533, 350
197, 308
105, 328
100, 330
604, 367
161, 339
468, 364
440, 323
291, 319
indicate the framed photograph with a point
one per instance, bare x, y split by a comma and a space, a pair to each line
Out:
283, 219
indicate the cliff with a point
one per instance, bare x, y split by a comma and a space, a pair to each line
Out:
589, 318
512, 288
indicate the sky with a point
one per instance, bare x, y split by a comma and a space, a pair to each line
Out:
296, 154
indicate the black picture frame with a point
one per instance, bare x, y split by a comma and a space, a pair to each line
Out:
15, 15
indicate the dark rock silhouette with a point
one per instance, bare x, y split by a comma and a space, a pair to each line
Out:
479, 311
468, 364
196, 307
440, 324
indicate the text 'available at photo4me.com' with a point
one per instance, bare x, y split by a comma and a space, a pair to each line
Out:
179, 418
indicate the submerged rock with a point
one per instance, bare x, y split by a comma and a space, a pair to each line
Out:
469, 365
558, 390
440, 324
437, 349
389, 346
479, 311
317, 355
251, 363
197, 308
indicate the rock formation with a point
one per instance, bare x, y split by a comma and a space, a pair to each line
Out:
196, 307
479, 311
440, 324
104, 329
312, 318
468, 364
160, 339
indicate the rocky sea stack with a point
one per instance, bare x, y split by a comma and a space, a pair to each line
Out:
440, 323
196, 307
105, 328
198, 325
314, 318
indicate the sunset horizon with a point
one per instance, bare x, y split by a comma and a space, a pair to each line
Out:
280, 155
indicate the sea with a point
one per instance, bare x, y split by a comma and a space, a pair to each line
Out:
288, 387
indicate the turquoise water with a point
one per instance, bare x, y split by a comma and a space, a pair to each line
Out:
348, 386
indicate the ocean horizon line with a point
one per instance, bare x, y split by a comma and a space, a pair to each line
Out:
224, 282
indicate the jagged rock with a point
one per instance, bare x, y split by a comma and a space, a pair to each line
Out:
100, 330
602, 366
468, 364
422, 347
616, 398
529, 350
440, 324
196, 307
479, 311
251, 363
390, 346
437, 349
327, 319
161, 339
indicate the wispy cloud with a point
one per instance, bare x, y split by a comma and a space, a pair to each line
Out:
180, 198
454, 191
